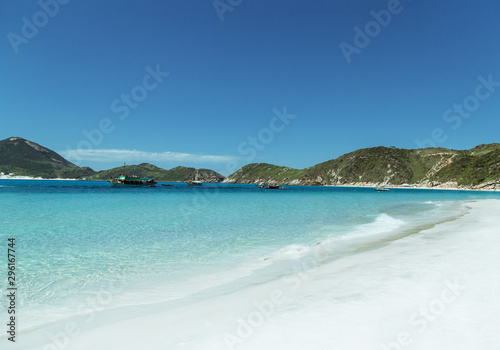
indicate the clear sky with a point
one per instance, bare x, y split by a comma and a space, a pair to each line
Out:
202, 83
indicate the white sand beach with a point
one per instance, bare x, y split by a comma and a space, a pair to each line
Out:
19, 177
435, 289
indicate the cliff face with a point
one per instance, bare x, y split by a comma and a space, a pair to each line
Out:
478, 167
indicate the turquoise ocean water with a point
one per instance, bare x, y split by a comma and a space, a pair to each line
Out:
82, 243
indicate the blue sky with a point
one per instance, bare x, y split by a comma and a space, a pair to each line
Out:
186, 83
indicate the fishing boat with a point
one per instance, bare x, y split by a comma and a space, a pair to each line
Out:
194, 183
271, 187
131, 180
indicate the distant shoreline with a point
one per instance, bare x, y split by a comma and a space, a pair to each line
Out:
418, 188
450, 188
15, 177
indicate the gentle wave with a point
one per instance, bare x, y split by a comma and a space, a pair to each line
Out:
383, 224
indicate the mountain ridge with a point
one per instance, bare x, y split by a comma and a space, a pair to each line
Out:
22, 157
177, 174
27, 158
478, 167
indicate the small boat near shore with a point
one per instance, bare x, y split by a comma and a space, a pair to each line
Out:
194, 183
381, 189
271, 187
132, 180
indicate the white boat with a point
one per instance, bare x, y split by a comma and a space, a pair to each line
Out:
195, 183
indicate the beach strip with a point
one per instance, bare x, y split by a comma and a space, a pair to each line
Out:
435, 289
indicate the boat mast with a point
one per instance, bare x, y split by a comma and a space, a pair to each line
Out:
124, 167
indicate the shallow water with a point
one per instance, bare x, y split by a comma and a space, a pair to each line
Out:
76, 239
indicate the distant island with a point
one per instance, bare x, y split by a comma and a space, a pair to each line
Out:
477, 168
177, 174
21, 157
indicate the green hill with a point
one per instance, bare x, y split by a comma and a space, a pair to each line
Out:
382, 165
262, 172
178, 174
26, 158
478, 167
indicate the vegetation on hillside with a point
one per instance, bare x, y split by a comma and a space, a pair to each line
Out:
477, 167
26, 158
383, 165
178, 174
263, 172
474, 167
